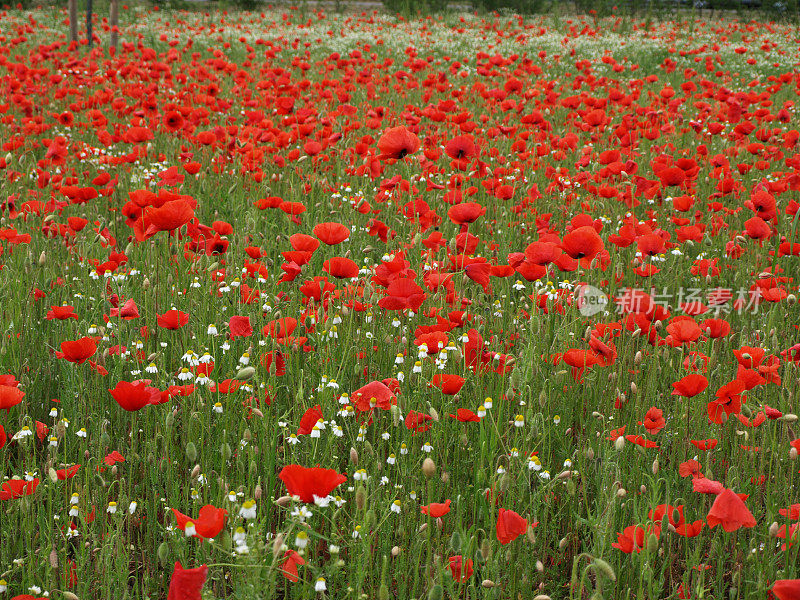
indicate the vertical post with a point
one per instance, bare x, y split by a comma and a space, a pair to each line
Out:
89, 39
114, 18
73, 20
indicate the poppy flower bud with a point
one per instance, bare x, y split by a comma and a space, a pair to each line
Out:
283, 501
655, 467
455, 542
422, 528
789, 417
486, 549
487, 583
69, 595
642, 489
225, 451
793, 454
634, 389
604, 568
361, 497
540, 568
383, 592
370, 519
258, 492
277, 545
245, 373
541, 596
353, 455
436, 593
428, 467
195, 471
652, 542
773, 529
542, 398
791, 299
563, 543
621, 493
163, 553
146, 283
619, 444
530, 535
396, 551
191, 452
42, 259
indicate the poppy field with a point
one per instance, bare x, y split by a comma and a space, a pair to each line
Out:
309, 305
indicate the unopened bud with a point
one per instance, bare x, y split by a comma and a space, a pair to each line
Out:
428, 467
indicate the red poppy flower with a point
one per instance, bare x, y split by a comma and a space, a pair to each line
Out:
633, 538
460, 570
467, 212
510, 526
653, 421
418, 422
689, 386
729, 511
309, 482
186, 584
172, 319
209, 522
786, 589
461, 147
17, 488
436, 509
397, 142
135, 396
311, 417
340, 267
449, 384
582, 243
375, 394
728, 401
78, 351
168, 217
291, 560
465, 415
10, 395
61, 313
113, 457
68, 473
401, 294
331, 233
239, 326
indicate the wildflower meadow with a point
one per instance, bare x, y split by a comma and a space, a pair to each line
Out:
300, 303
